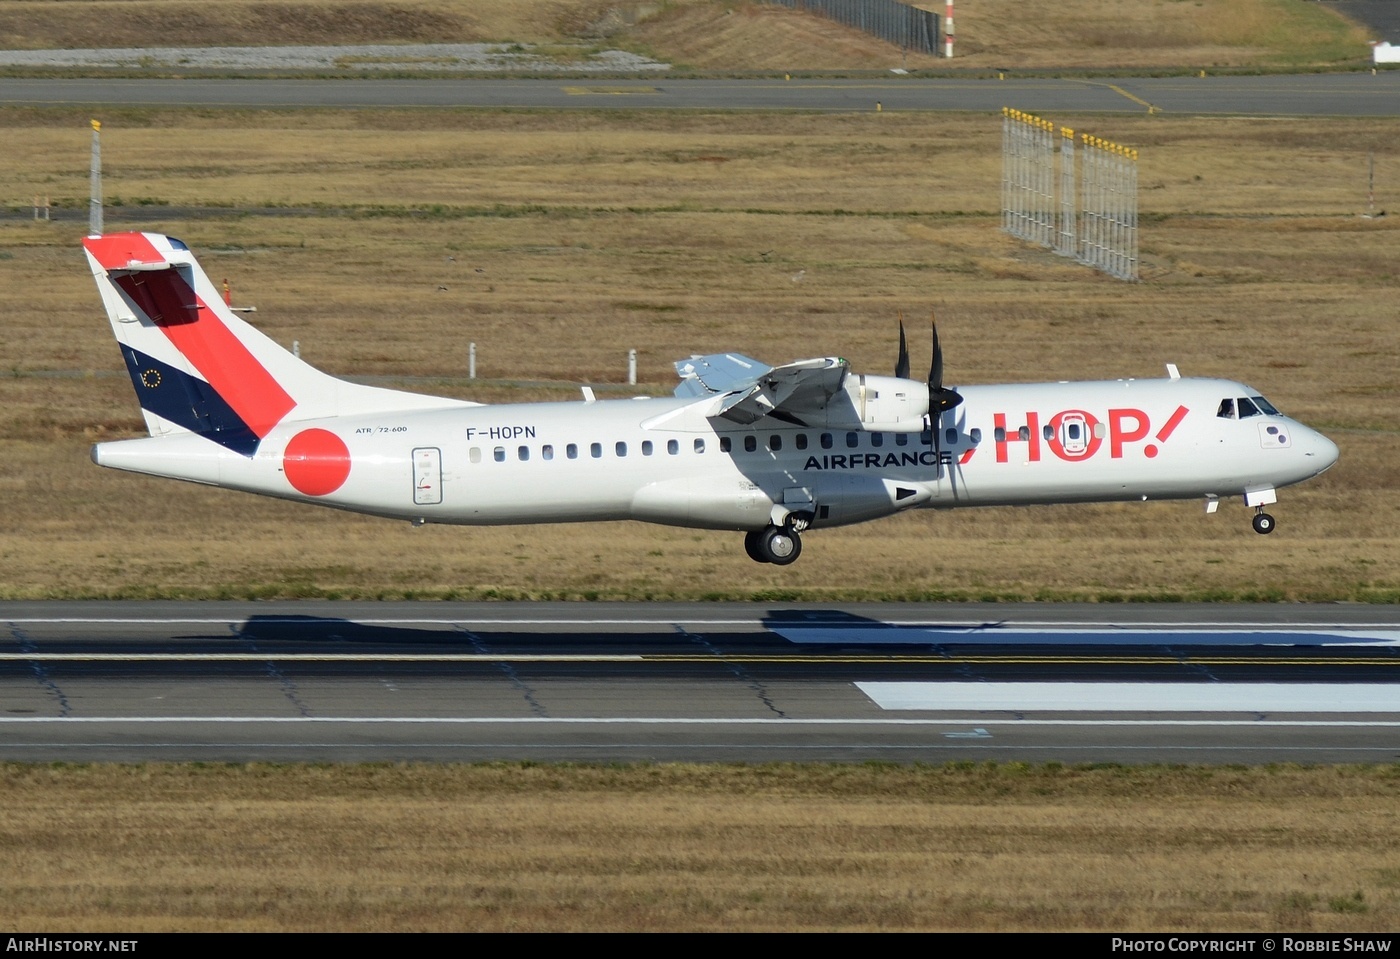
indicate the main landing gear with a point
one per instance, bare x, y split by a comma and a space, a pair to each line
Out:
1262, 522
779, 545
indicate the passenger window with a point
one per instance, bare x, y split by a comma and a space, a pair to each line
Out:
646, 447
1227, 409
852, 440
595, 450
826, 441
750, 443
699, 445
620, 448
673, 447
1073, 431
801, 441
775, 443
999, 434
1024, 434
950, 436
877, 439
1247, 408
499, 453
975, 435
546, 452
474, 454
523, 452
725, 444
901, 439
571, 451
1048, 432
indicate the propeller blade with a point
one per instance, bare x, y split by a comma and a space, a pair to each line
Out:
901, 366
935, 369
940, 399
935, 387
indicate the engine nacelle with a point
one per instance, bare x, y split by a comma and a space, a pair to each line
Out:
887, 404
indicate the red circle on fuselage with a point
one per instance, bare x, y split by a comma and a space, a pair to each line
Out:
316, 462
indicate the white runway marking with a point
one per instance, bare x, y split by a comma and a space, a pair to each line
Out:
1140, 697
1062, 635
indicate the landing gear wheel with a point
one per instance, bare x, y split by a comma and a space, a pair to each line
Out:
779, 545
1263, 523
753, 545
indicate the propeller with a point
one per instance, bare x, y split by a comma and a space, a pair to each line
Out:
940, 398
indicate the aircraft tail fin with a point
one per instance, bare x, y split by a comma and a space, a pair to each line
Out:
197, 367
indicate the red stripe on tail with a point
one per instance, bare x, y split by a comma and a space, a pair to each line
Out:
118, 250
218, 355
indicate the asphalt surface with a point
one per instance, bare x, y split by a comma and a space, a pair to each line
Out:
1382, 16
1337, 94
698, 682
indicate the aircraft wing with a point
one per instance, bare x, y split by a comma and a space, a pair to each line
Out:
749, 390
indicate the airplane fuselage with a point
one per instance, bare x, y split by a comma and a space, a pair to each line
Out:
661, 460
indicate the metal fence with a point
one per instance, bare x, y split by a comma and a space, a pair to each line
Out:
1098, 226
1108, 223
1028, 177
895, 22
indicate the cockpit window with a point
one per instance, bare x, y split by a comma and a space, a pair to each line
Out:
1247, 407
1265, 405
1227, 409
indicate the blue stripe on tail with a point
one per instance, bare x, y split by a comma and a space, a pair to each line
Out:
188, 402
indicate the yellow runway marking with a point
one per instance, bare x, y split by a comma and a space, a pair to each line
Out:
610, 91
1123, 93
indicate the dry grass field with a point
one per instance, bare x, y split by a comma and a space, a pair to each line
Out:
729, 36
565, 240
550, 848
1001, 34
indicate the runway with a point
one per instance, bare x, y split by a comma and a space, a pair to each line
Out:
699, 682
1292, 95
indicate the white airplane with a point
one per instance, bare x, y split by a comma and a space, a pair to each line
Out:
769, 451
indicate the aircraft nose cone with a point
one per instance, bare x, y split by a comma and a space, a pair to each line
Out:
1322, 452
